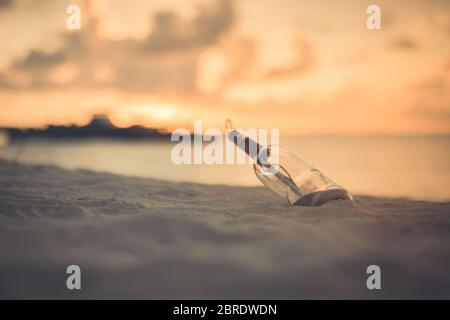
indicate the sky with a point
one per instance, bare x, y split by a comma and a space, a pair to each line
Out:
305, 67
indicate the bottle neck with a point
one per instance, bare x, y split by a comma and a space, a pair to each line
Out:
248, 145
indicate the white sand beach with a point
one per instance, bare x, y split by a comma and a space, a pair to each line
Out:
144, 238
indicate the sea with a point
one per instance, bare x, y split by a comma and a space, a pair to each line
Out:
412, 167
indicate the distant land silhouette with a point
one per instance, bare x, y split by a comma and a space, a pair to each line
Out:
99, 127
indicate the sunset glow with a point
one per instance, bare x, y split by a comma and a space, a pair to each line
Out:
304, 67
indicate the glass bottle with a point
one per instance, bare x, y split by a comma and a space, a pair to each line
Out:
287, 174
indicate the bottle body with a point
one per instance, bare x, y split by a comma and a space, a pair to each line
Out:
287, 174
295, 180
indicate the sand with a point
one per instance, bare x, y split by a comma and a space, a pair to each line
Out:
144, 238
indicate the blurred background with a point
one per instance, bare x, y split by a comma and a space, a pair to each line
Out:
371, 108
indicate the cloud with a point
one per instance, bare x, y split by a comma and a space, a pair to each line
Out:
403, 43
237, 63
3, 81
166, 61
172, 33
304, 61
38, 59
6, 4
437, 85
